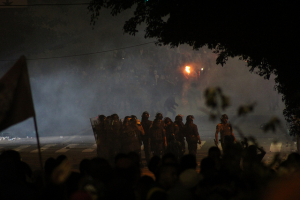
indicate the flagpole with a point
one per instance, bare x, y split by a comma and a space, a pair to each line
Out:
38, 142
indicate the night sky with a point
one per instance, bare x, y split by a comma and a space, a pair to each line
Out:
68, 57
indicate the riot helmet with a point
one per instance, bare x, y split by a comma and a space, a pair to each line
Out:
133, 121
115, 117
145, 115
178, 118
189, 118
159, 116
101, 118
167, 120
126, 120
133, 117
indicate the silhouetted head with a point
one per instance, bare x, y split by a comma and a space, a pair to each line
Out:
224, 118
133, 121
84, 166
159, 116
145, 115
115, 117
214, 152
10, 155
101, 118
126, 120
108, 119
189, 118
61, 158
167, 175
188, 162
168, 121
178, 118
133, 117
169, 158
154, 163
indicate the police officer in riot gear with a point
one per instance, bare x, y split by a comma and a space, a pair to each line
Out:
171, 130
159, 116
113, 134
157, 137
130, 136
192, 135
146, 123
100, 136
181, 133
226, 132
173, 145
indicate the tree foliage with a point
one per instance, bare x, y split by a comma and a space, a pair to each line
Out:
263, 33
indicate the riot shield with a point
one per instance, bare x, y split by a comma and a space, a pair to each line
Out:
94, 123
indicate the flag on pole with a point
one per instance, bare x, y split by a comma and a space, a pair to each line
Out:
16, 103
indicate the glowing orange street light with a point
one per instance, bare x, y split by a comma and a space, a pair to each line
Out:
187, 69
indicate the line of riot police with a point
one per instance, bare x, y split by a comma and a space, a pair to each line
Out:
161, 136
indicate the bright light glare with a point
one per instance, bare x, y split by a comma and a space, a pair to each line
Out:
202, 69
187, 69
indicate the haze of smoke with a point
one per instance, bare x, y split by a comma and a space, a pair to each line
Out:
67, 92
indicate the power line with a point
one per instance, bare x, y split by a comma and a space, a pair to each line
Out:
85, 54
47, 4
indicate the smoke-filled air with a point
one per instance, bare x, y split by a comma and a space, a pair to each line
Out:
78, 71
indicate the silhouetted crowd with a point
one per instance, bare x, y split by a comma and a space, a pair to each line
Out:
235, 172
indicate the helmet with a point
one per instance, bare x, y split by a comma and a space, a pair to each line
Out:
133, 117
167, 120
189, 118
224, 116
101, 118
115, 117
145, 114
178, 118
133, 120
126, 120
159, 116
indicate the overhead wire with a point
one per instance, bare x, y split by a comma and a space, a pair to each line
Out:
47, 4
84, 54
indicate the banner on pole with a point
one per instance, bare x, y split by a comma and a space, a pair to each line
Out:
16, 103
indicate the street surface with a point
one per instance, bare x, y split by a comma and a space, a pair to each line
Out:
77, 148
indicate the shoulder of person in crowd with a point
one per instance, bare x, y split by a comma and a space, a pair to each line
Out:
219, 125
